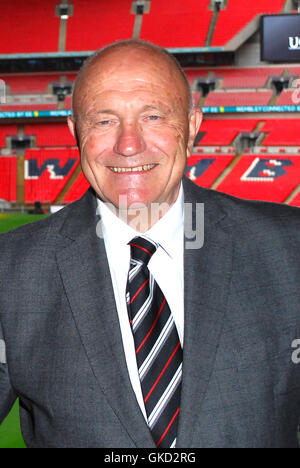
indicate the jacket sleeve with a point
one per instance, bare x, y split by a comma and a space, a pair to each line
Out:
7, 394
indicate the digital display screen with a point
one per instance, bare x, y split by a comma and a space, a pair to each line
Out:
280, 38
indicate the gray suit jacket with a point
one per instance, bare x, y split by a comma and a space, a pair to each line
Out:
64, 354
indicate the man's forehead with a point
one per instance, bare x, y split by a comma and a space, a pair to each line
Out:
140, 69
129, 70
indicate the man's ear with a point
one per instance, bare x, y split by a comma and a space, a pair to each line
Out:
72, 128
195, 120
71, 125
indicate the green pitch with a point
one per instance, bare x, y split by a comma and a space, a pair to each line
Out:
10, 433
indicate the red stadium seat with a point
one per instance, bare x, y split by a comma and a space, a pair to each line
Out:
26, 27
47, 171
8, 178
68, 102
240, 98
220, 132
27, 107
282, 132
31, 83
193, 73
95, 24
288, 97
7, 130
177, 23
246, 77
238, 14
79, 187
204, 169
269, 177
50, 134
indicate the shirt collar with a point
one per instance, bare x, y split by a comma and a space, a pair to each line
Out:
164, 232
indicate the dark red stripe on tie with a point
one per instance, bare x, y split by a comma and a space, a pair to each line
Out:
168, 427
142, 248
139, 290
148, 334
162, 372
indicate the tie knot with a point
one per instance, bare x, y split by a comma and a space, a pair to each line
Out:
142, 249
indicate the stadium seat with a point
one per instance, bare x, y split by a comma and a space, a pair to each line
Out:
47, 171
27, 107
7, 130
246, 77
95, 24
220, 132
281, 132
204, 169
50, 134
31, 83
269, 177
8, 178
178, 23
238, 14
238, 98
79, 187
26, 27
288, 97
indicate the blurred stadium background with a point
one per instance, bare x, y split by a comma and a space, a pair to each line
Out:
248, 145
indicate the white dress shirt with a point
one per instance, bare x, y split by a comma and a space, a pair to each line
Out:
166, 265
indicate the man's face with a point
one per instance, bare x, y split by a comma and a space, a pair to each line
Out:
133, 128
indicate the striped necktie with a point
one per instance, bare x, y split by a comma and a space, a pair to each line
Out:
157, 345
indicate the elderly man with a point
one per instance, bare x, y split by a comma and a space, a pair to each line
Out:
120, 333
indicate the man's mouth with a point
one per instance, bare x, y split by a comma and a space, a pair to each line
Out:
144, 168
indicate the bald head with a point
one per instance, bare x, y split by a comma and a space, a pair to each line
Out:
120, 57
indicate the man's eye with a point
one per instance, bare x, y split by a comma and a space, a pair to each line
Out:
104, 122
153, 117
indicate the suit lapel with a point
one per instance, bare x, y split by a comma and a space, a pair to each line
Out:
85, 273
207, 279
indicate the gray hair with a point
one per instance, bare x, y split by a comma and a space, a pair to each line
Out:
142, 45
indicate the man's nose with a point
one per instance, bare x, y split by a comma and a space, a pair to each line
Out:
130, 140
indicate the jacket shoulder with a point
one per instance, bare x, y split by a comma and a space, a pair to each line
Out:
240, 212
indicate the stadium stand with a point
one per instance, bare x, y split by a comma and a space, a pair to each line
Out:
77, 190
239, 98
31, 83
281, 132
166, 23
246, 77
8, 178
5, 131
287, 98
68, 102
47, 135
22, 24
47, 171
194, 73
223, 131
237, 15
204, 170
27, 107
95, 24
270, 178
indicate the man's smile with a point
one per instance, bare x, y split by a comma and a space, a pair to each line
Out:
146, 167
